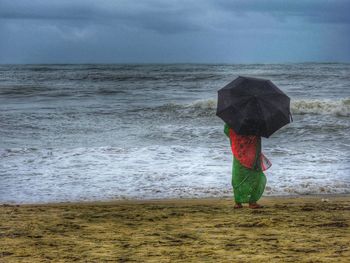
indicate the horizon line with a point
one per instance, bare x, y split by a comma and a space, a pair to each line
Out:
180, 63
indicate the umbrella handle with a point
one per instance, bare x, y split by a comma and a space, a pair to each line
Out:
291, 116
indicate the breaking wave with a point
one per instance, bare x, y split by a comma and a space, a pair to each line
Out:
340, 107
322, 107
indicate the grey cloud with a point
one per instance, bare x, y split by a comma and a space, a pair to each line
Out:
174, 16
46, 10
153, 15
173, 30
336, 11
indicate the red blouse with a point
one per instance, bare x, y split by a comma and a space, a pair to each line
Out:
247, 150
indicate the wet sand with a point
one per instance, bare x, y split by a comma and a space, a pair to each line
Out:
288, 229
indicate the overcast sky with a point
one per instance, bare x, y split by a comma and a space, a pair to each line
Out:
174, 31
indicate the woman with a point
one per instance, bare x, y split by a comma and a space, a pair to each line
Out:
248, 179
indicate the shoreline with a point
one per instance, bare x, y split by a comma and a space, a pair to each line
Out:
170, 200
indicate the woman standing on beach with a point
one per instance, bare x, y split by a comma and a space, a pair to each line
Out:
248, 179
251, 108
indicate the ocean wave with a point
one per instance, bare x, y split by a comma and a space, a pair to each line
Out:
339, 107
23, 90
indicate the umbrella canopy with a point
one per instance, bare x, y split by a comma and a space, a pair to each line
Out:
253, 106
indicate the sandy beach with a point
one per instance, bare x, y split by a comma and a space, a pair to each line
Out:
287, 229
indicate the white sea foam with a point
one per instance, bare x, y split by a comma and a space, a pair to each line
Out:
157, 171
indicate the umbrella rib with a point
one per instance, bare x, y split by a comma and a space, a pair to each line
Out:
268, 102
260, 111
263, 116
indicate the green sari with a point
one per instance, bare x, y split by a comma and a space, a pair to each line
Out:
248, 184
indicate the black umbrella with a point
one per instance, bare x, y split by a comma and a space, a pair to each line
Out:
253, 106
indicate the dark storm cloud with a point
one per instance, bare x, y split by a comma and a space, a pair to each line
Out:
160, 16
172, 16
173, 30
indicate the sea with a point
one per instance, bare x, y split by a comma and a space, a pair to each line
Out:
149, 131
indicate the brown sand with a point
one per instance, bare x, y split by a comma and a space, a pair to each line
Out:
293, 229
